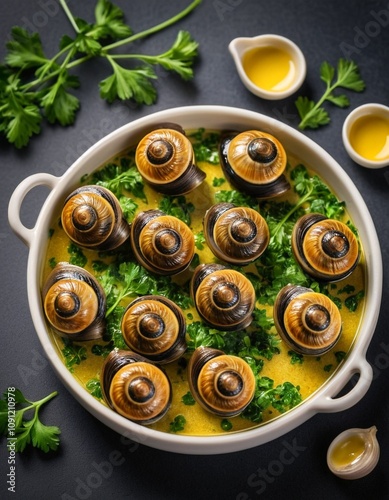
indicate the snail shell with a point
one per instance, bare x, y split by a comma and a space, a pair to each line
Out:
92, 217
222, 384
326, 249
74, 302
307, 321
134, 387
254, 162
223, 297
154, 327
237, 235
165, 160
161, 243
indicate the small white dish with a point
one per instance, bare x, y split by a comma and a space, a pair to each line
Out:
287, 66
365, 135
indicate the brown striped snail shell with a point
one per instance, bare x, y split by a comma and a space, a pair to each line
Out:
74, 302
92, 217
162, 243
326, 249
309, 322
254, 162
237, 235
154, 326
165, 160
223, 297
134, 387
222, 384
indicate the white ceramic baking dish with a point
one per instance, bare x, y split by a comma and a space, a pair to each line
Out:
210, 117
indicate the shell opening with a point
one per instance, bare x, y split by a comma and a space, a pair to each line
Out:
160, 152
141, 390
229, 383
262, 150
335, 244
67, 304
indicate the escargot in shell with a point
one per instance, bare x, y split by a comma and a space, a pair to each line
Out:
162, 243
92, 217
309, 322
237, 235
326, 249
254, 162
154, 326
74, 302
165, 159
134, 387
222, 384
223, 297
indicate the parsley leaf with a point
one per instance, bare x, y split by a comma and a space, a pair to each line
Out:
312, 114
26, 431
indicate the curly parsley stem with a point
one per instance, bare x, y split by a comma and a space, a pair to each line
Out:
70, 15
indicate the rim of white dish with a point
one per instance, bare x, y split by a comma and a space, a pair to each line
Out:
216, 117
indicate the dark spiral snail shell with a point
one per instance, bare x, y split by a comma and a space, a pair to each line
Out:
223, 297
237, 235
134, 387
154, 327
92, 217
309, 322
222, 384
162, 243
326, 249
254, 162
74, 302
165, 160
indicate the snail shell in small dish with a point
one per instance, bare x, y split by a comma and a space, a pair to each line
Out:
354, 453
165, 160
223, 297
92, 217
326, 249
222, 384
254, 162
154, 327
162, 243
134, 387
237, 235
308, 322
74, 302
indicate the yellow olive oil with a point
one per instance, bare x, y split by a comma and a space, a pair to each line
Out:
347, 451
269, 68
369, 136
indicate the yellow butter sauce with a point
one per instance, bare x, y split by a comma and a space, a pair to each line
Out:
309, 376
348, 451
369, 136
269, 68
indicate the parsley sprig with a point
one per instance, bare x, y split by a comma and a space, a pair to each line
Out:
312, 114
27, 431
34, 86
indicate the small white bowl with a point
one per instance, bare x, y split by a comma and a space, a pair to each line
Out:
371, 110
239, 48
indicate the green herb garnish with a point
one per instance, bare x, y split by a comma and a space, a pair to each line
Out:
178, 424
94, 387
26, 431
312, 114
74, 354
188, 399
77, 257
33, 86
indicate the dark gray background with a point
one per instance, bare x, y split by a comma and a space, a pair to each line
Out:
321, 29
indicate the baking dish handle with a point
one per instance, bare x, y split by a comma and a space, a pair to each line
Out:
329, 404
16, 200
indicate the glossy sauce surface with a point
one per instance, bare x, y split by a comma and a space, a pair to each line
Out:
369, 136
269, 68
347, 451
